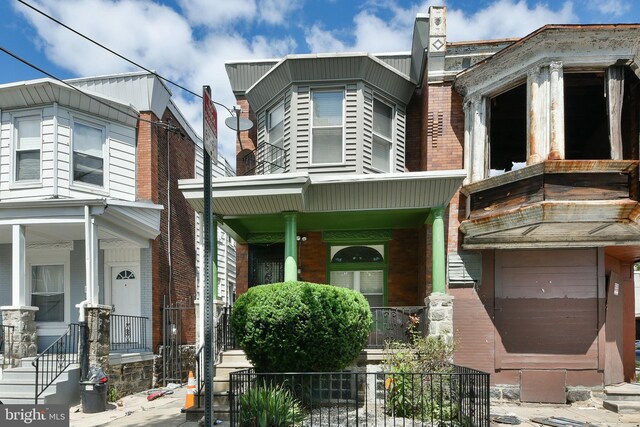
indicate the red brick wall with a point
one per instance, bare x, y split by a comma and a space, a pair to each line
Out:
175, 276
443, 129
313, 259
248, 139
404, 286
242, 268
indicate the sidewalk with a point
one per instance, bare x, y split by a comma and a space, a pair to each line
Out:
165, 412
137, 411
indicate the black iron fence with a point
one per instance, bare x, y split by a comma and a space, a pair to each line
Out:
56, 359
389, 324
396, 324
456, 398
6, 345
178, 334
128, 333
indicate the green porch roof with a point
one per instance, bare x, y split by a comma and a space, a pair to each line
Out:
252, 205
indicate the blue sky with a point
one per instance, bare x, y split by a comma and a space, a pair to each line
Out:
189, 40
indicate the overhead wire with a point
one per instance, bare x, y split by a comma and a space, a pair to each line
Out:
89, 39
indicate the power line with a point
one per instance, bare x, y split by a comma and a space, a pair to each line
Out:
109, 50
98, 100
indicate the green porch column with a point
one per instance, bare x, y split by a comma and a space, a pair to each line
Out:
438, 256
290, 243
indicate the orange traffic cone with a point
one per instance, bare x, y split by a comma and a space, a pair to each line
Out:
190, 399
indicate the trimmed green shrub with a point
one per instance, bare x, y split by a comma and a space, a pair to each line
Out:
301, 327
266, 406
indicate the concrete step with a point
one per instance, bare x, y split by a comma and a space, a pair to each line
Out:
195, 413
234, 358
623, 392
622, 406
18, 387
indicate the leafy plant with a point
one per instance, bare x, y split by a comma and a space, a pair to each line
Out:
418, 385
301, 327
113, 394
269, 406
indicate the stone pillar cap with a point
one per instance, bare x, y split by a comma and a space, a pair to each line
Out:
19, 307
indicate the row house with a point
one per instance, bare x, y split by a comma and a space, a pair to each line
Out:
496, 177
93, 225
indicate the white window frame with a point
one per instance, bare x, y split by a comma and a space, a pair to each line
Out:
389, 140
30, 183
85, 186
37, 257
274, 169
312, 125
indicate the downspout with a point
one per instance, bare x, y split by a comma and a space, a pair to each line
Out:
169, 212
55, 150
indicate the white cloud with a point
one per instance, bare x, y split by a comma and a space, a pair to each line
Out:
505, 18
221, 13
609, 7
137, 29
276, 12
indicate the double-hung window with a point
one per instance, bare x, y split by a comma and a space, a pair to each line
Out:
327, 121
28, 144
275, 136
382, 136
47, 292
88, 148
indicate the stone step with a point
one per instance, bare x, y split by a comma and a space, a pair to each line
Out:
195, 413
626, 392
622, 406
235, 358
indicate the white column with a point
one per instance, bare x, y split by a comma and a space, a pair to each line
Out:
615, 95
18, 267
478, 138
468, 128
535, 122
556, 115
91, 257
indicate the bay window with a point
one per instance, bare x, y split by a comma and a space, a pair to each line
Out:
88, 162
327, 126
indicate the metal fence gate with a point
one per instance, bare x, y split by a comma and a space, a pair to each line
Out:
178, 332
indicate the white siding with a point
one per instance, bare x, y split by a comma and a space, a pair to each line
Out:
399, 146
303, 121
114, 256
120, 164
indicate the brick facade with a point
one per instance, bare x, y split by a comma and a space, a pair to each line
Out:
164, 157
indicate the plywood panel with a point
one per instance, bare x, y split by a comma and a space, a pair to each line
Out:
614, 331
543, 386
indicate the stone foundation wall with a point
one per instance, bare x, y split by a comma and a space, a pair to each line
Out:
511, 393
440, 316
133, 377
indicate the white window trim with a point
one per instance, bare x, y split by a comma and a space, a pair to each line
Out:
15, 116
84, 186
37, 257
392, 146
311, 125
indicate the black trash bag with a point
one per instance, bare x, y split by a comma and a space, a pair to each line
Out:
97, 375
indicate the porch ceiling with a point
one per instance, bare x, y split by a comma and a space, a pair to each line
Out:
254, 204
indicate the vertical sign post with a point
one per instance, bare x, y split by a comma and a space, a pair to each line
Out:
210, 153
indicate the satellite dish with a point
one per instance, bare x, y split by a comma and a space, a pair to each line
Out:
238, 124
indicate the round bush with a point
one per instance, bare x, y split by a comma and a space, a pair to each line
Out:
301, 327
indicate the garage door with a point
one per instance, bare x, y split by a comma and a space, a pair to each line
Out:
546, 309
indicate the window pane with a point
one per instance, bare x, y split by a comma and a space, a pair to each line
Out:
371, 282
87, 169
87, 139
343, 279
28, 133
327, 108
352, 254
380, 154
47, 287
276, 135
375, 300
382, 118
27, 165
327, 145
276, 116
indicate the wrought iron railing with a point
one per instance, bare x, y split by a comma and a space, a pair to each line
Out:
6, 345
225, 338
128, 333
396, 324
459, 396
53, 361
265, 159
